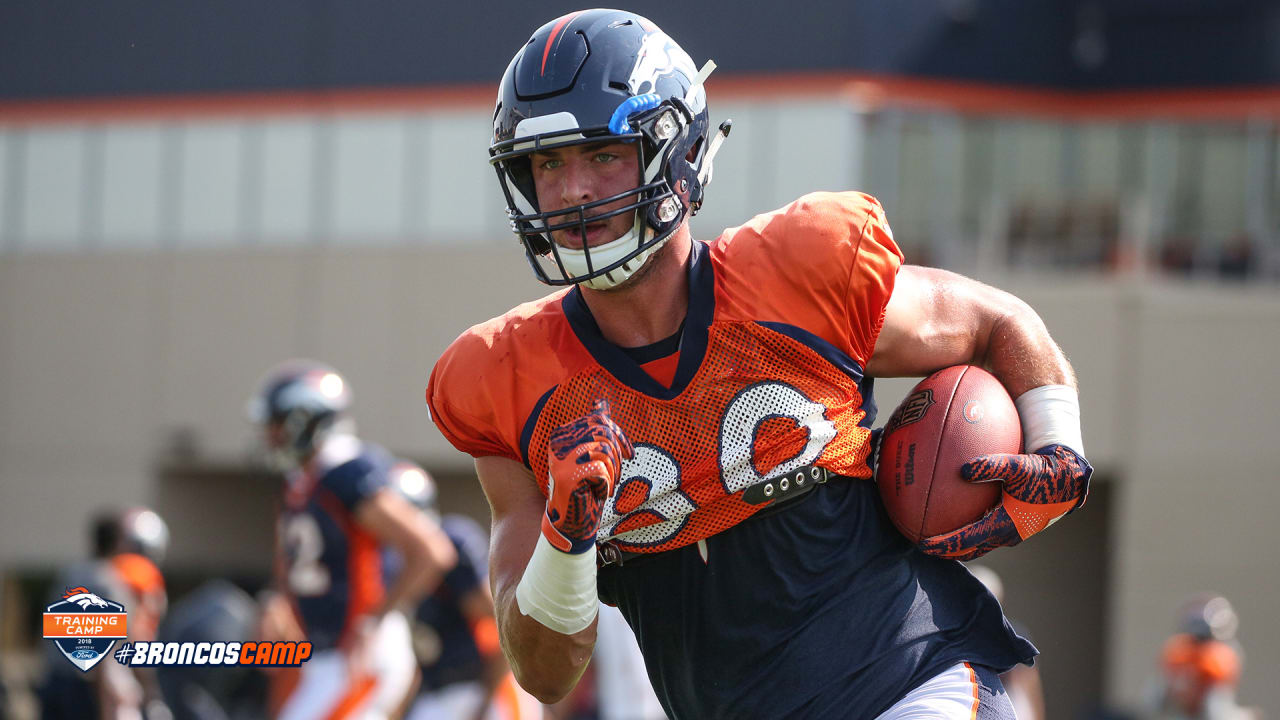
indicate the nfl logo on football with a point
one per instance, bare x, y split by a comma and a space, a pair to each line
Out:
84, 626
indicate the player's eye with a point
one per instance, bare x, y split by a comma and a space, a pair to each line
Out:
605, 157
550, 163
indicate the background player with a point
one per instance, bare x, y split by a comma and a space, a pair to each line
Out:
127, 548
455, 637
216, 611
338, 517
1201, 664
657, 406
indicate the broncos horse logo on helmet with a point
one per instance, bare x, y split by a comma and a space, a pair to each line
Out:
593, 76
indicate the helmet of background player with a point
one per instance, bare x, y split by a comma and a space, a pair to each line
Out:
1209, 617
593, 76
299, 403
105, 533
416, 485
144, 532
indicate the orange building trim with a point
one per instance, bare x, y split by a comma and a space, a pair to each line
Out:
866, 90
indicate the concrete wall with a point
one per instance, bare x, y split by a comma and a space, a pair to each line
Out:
104, 357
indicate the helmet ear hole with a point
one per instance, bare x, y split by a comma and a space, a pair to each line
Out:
695, 153
520, 170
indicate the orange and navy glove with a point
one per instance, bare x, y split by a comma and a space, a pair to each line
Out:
1039, 489
585, 459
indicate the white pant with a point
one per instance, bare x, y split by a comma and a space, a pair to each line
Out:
460, 701
950, 695
327, 689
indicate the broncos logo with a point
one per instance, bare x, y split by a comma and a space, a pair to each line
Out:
82, 597
659, 56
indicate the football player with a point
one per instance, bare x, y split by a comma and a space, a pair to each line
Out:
339, 515
127, 546
696, 416
455, 637
216, 611
1201, 664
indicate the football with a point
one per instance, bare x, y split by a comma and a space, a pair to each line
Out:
949, 418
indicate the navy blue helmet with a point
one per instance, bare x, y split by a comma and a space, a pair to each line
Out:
302, 400
1209, 617
144, 532
602, 76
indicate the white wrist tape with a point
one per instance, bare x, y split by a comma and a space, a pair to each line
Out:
1050, 415
559, 589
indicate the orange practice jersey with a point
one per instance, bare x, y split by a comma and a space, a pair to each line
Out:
146, 584
784, 313
1193, 667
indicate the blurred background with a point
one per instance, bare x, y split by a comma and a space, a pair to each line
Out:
191, 192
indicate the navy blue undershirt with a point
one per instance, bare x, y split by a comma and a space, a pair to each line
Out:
656, 351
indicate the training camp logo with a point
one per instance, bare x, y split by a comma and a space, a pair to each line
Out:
84, 626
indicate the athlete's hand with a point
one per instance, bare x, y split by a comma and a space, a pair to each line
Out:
585, 458
1039, 489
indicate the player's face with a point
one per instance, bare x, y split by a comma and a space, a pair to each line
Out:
579, 174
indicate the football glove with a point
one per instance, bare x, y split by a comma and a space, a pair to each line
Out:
1039, 489
584, 458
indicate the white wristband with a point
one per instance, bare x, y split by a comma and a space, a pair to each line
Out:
559, 589
1050, 415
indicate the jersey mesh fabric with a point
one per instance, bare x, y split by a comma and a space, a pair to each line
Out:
760, 405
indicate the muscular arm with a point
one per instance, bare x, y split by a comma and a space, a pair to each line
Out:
936, 319
546, 663
426, 550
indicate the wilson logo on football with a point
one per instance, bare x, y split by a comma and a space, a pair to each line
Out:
84, 626
911, 410
973, 412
